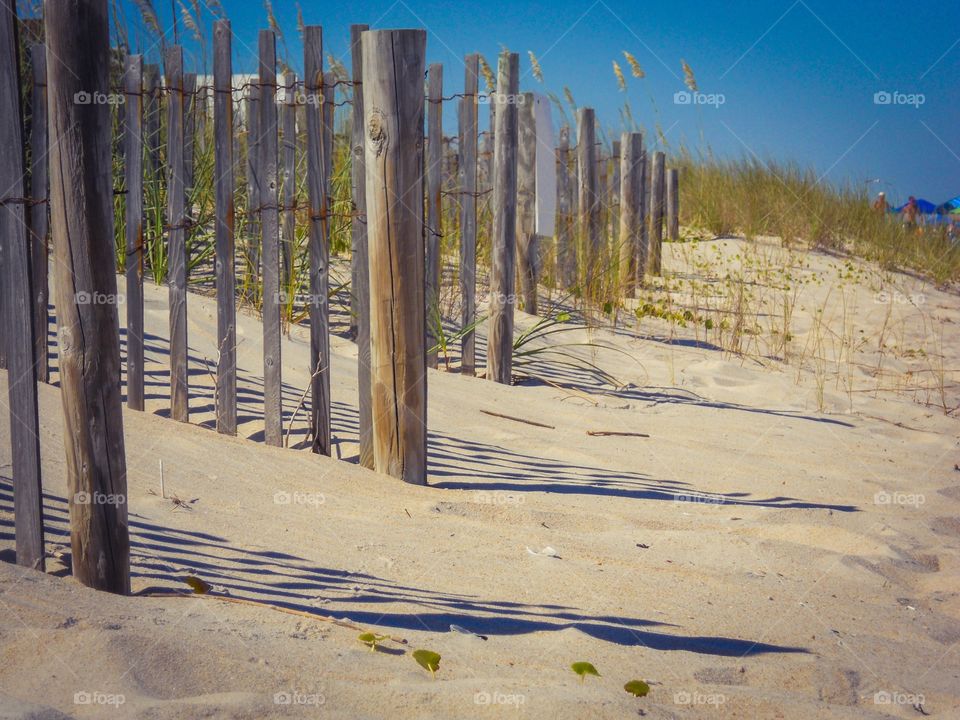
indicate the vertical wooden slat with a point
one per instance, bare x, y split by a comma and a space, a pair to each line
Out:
673, 204
322, 412
656, 213
133, 169
631, 209
468, 213
319, 250
503, 251
151, 81
18, 305
253, 190
588, 201
613, 195
527, 254
643, 259
177, 246
434, 227
189, 130
566, 247
359, 264
81, 223
270, 240
393, 64
288, 217
224, 229
39, 210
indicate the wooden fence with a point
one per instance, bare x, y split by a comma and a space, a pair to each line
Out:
411, 196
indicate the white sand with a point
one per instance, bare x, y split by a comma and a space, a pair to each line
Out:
738, 559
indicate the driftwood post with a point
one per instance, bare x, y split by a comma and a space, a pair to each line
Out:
318, 248
566, 248
631, 209
434, 229
39, 209
588, 202
133, 169
393, 64
468, 213
504, 241
359, 264
270, 240
177, 247
656, 212
673, 204
527, 255
18, 305
81, 214
288, 216
224, 236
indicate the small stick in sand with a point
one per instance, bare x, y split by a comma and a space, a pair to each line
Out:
520, 420
163, 494
615, 433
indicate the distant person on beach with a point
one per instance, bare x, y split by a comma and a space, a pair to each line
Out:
910, 212
880, 204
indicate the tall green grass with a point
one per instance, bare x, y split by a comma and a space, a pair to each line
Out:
752, 197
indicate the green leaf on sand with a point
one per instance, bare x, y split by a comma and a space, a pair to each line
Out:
427, 659
371, 639
583, 669
637, 687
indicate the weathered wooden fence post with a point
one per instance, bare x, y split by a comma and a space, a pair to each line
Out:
673, 204
177, 246
39, 209
504, 241
359, 263
318, 247
566, 247
393, 64
468, 213
19, 310
81, 214
288, 216
631, 209
151, 91
434, 226
588, 201
253, 189
527, 254
133, 169
613, 193
656, 212
189, 130
224, 229
270, 240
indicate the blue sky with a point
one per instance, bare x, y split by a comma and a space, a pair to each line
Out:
798, 78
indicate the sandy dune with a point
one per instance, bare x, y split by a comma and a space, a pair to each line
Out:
784, 544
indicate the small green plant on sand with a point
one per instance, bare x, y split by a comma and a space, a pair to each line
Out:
637, 688
372, 640
583, 669
428, 660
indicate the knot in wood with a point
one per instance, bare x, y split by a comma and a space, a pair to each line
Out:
376, 131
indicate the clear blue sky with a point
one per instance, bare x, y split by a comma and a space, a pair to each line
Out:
798, 77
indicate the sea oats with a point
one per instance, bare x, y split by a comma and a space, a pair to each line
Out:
621, 80
487, 73
635, 68
535, 66
688, 78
